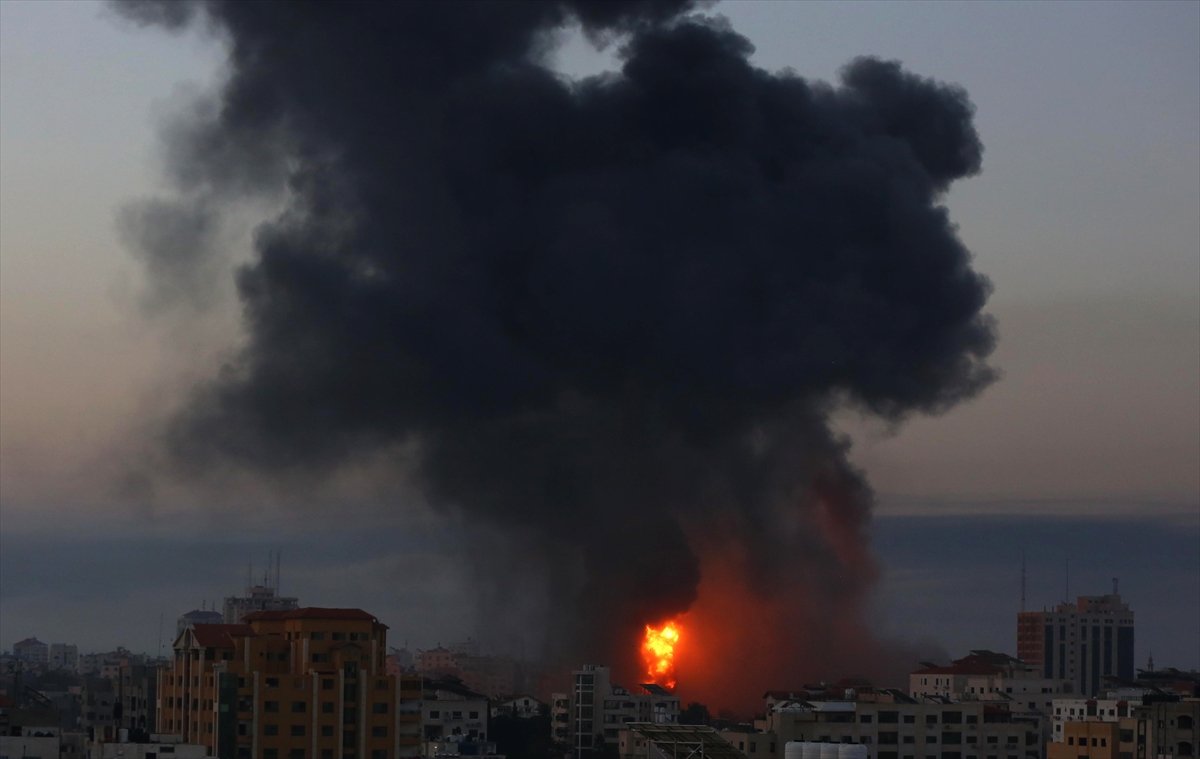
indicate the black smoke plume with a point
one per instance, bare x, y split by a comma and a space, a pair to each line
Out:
613, 315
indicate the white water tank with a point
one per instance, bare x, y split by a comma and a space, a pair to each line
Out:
794, 750
829, 751
853, 751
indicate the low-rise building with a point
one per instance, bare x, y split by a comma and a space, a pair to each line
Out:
1086, 740
893, 725
523, 706
452, 712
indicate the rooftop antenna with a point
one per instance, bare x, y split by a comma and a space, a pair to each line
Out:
1022, 579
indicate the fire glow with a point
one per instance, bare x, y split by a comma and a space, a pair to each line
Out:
658, 652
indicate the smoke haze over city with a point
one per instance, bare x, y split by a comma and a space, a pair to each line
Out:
616, 344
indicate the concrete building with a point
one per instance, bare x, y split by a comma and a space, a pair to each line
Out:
493, 676
560, 718
306, 682
599, 709
987, 675
1086, 740
522, 706
150, 750
1166, 729
1066, 711
198, 617
893, 725
1084, 642
257, 598
64, 656
31, 651
452, 713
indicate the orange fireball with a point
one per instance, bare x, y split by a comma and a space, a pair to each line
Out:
658, 651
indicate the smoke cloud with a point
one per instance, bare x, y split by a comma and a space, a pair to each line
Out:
612, 315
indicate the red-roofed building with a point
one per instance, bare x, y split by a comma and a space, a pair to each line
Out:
306, 682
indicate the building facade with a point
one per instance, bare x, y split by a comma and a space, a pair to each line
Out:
299, 684
893, 725
1084, 642
32, 651
599, 709
64, 656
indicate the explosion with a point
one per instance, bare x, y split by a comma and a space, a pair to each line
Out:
658, 651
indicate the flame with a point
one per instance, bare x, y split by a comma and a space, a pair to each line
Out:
658, 651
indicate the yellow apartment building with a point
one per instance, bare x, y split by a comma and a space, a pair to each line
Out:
1086, 740
306, 683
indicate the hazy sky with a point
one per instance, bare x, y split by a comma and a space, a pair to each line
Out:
1086, 218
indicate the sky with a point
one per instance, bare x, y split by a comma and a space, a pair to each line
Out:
1086, 218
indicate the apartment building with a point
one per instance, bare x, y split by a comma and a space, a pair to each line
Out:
1066, 711
305, 683
1086, 740
31, 651
599, 709
893, 725
1084, 642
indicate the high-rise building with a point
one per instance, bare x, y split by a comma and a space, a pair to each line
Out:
1083, 642
31, 651
299, 683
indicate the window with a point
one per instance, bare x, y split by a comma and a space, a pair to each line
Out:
909, 719
327, 731
270, 753
379, 731
381, 685
339, 636
270, 729
456, 715
434, 714
298, 707
297, 731
270, 706
327, 683
272, 682
475, 715
327, 707
380, 708
318, 636
296, 753
865, 719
